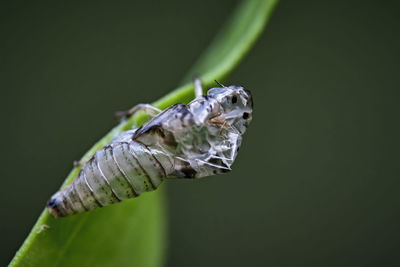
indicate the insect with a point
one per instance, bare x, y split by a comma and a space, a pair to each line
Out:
183, 141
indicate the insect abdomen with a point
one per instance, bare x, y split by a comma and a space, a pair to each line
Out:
116, 172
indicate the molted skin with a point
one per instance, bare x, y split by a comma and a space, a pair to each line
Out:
193, 141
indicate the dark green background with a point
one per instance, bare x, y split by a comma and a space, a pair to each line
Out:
318, 177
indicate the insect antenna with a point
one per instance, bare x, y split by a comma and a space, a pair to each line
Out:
220, 84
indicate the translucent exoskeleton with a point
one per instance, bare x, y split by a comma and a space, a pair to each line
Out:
183, 141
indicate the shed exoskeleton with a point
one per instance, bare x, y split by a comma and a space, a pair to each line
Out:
183, 141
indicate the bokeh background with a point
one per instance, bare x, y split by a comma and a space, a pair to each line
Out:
318, 176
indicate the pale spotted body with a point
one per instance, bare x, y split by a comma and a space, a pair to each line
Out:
184, 141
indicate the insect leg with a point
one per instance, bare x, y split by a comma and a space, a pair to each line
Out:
198, 90
147, 108
208, 168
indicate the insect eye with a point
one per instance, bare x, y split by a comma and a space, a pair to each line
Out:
245, 115
234, 99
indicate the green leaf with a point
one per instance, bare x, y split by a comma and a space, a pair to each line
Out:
132, 233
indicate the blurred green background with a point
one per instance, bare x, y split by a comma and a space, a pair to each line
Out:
317, 179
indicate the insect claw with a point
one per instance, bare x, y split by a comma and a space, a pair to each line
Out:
119, 115
42, 228
77, 163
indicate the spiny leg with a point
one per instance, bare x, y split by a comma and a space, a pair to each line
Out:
146, 108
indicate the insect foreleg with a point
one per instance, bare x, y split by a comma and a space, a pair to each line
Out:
146, 108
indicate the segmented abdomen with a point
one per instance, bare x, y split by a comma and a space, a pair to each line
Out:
116, 172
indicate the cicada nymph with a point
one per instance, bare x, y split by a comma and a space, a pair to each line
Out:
183, 141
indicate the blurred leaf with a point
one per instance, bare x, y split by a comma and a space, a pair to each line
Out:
132, 233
